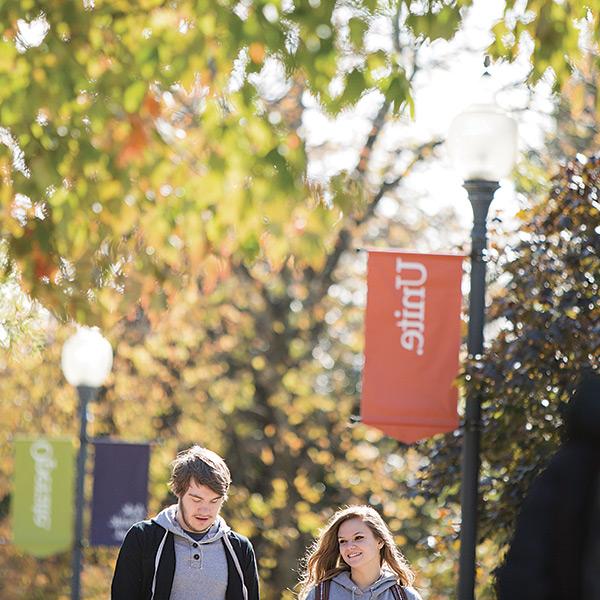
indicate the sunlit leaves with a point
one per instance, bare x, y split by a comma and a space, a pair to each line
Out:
397, 90
133, 96
435, 23
358, 28
558, 31
124, 114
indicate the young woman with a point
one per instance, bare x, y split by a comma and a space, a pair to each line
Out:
355, 558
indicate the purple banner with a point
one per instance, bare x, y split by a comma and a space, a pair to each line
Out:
120, 490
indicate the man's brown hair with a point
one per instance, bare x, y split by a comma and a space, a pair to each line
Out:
204, 466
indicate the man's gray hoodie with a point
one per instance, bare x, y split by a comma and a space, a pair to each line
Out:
159, 561
343, 588
202, 564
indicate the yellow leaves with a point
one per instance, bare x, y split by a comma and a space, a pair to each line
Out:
260, 135
555, 30
39, 75
110, 190
275, 249
307, 521
142, 361
296, 382
266, 455
256, 52
214, 269
279, 498
258, 506
320, 457
364, 453
8, 52
227, 343
307, 489
293, 442
258, 363
266, 562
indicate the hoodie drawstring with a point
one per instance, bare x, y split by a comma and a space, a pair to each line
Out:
237, 565
156, 561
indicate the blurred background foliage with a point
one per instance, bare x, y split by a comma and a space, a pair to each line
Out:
125, 126
153, 182
547, 312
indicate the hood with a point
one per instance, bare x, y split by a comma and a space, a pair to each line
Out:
376, 589
167, 518
582, 414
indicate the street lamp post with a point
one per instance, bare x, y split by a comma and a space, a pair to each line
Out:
86, 362
482, 142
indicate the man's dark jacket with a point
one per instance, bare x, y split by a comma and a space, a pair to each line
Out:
550, 552
134, 571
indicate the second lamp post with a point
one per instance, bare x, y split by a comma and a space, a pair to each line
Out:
483, 144
86, 362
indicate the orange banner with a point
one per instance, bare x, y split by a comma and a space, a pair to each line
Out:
412, 339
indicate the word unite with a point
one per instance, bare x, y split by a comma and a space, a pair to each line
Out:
410, 281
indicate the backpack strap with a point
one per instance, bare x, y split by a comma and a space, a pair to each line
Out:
399, 592
323, 590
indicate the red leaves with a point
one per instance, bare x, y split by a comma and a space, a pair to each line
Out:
135, 143
140, 130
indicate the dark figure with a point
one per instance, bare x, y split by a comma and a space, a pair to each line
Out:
557, 538
188, 551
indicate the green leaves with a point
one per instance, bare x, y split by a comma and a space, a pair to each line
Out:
397, 90
358, 28
555, 28
126, 118
133, 96
354, 88
434, 23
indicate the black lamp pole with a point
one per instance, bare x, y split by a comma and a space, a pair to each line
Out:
86, 395
481, 194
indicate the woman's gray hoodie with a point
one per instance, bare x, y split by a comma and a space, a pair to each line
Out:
343, 588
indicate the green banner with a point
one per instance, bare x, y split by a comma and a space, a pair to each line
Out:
43, 499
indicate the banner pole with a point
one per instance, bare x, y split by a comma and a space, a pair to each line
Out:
481, 194
86, 395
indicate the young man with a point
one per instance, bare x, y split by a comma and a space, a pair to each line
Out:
188, 552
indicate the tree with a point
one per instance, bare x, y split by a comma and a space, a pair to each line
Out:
259, 351
554, 248
119, 117
550, 323
265, 365
265, 368
97, 206
243, 350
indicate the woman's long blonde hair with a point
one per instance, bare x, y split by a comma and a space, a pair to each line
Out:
323, 560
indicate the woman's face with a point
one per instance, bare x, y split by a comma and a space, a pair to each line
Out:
359, 548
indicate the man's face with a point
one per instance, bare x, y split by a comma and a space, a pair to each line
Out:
198, 507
